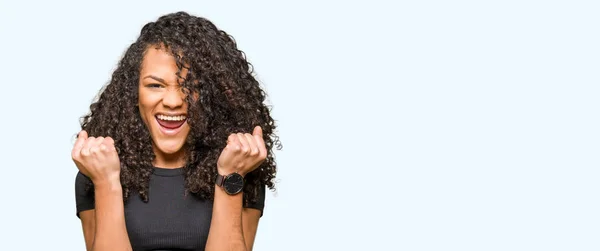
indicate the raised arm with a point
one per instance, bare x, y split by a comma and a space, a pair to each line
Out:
97, 159
232, 227
111, 231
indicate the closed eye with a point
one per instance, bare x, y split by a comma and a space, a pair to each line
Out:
154, 85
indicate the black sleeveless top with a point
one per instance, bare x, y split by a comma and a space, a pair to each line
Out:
170, 220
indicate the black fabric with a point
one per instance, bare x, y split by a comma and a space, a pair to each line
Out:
170, 220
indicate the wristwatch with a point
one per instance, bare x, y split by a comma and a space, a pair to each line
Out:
232, 183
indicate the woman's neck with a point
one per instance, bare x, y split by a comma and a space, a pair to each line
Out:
163, 160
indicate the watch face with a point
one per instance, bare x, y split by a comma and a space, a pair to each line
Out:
234, 183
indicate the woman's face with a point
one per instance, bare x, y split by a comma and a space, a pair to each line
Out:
163, 107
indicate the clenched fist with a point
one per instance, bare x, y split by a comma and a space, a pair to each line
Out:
97, 158
244, 153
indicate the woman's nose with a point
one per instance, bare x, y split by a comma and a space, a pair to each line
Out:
174, 97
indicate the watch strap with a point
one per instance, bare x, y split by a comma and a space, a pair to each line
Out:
220, 180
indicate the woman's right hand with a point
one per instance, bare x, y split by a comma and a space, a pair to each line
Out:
97, 158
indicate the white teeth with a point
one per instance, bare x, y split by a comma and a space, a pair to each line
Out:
170, 118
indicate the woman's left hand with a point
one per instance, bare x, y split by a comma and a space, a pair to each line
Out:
244, 153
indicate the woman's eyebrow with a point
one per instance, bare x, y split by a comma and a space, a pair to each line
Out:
156, 78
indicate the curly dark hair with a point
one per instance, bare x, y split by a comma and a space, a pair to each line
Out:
230, 101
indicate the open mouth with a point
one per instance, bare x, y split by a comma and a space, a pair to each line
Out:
170, 122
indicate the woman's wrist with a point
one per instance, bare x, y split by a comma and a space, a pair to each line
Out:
108, 185
225, 170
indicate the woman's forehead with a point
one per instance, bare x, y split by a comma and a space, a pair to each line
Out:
160, 63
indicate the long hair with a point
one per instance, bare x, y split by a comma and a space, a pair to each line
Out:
230, 101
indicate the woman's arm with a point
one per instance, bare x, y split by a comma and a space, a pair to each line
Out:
250, 218
111, 231
233, 228
88, 223
97, 159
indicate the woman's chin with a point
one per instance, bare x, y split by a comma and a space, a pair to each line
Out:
170, 148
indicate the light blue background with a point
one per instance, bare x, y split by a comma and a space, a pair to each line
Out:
406, 125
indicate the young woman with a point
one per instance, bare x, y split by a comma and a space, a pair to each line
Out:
176, 153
